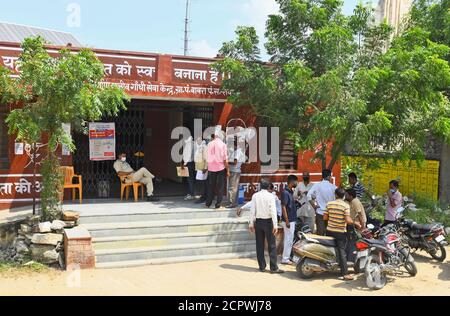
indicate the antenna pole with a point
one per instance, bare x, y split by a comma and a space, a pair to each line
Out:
186, 30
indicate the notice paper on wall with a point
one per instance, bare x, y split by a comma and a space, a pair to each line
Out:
18, 149
102, 141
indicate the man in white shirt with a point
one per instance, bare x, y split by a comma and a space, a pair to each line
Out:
319, 196
306, 212
188, 162
144, 176
264, 223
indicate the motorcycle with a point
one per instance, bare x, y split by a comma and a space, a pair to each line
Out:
386, 256
315, 254
427, 237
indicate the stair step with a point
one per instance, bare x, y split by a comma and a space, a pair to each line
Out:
169, 239
138, 263
127, 215
168, 251
166, 227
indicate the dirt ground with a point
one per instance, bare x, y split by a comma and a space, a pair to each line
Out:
217, 278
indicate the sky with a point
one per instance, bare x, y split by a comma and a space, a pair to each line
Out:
145, 25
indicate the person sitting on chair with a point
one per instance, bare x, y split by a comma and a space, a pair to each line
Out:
143, 176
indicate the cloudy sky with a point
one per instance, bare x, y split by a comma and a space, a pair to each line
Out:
145, 25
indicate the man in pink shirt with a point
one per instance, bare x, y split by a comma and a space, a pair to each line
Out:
218, 170
395, 201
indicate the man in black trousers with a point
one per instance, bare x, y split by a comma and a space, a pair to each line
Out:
264, 223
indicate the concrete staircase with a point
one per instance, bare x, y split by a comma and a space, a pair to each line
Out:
128, 234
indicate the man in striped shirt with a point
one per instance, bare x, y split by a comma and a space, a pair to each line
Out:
338, 217
356, 185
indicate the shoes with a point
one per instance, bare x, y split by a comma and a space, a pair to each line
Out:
232, 206
217, 206
348, 277
262, 270
152, 199
279, 271
289, 262
188, 197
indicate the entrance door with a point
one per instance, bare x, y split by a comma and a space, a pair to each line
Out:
130, 132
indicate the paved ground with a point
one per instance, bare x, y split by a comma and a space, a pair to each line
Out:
218, 278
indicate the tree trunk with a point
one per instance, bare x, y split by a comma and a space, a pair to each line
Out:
52, 185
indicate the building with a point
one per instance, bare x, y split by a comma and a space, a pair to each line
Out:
393, 12
167, 91
16, 33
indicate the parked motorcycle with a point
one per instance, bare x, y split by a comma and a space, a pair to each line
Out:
387, 255
426, 237
316, 254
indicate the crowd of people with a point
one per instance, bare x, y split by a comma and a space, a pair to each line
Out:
211, 164
322, 208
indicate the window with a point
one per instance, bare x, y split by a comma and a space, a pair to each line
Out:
288, 156
4, 142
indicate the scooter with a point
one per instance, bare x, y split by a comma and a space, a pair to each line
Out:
315, 254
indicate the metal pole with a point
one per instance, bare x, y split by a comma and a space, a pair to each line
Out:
186, 30
34, 178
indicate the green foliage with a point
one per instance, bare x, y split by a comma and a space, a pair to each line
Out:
331, 86
429, 211
52, 92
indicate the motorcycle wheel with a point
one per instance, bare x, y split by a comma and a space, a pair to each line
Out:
303, 271
410, 265
356, 268
438, 253
375, 279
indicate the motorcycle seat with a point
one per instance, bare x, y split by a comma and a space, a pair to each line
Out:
423, 227
374, 242
323, 240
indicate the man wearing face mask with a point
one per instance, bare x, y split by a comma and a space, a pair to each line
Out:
289, 217
395, 201
143, 176
305, 212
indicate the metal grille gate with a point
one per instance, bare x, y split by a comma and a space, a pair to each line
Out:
129, 138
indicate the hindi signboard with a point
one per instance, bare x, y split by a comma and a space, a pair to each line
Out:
102, 141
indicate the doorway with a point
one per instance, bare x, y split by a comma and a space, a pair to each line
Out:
145, 127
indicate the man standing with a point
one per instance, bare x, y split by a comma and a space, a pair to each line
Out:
338, 216
188, 162
358, 216
395, 201
356, 185
263, 222
357, 212
305, 212
201, 165
289, 217
319, 196
237, 158
218, 170
143, 176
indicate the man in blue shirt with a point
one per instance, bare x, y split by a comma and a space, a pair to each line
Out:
289, 217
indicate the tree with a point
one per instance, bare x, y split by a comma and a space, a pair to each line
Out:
330, 86
52, 91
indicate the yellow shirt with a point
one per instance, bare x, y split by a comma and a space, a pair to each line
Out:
337, 211
357, 212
